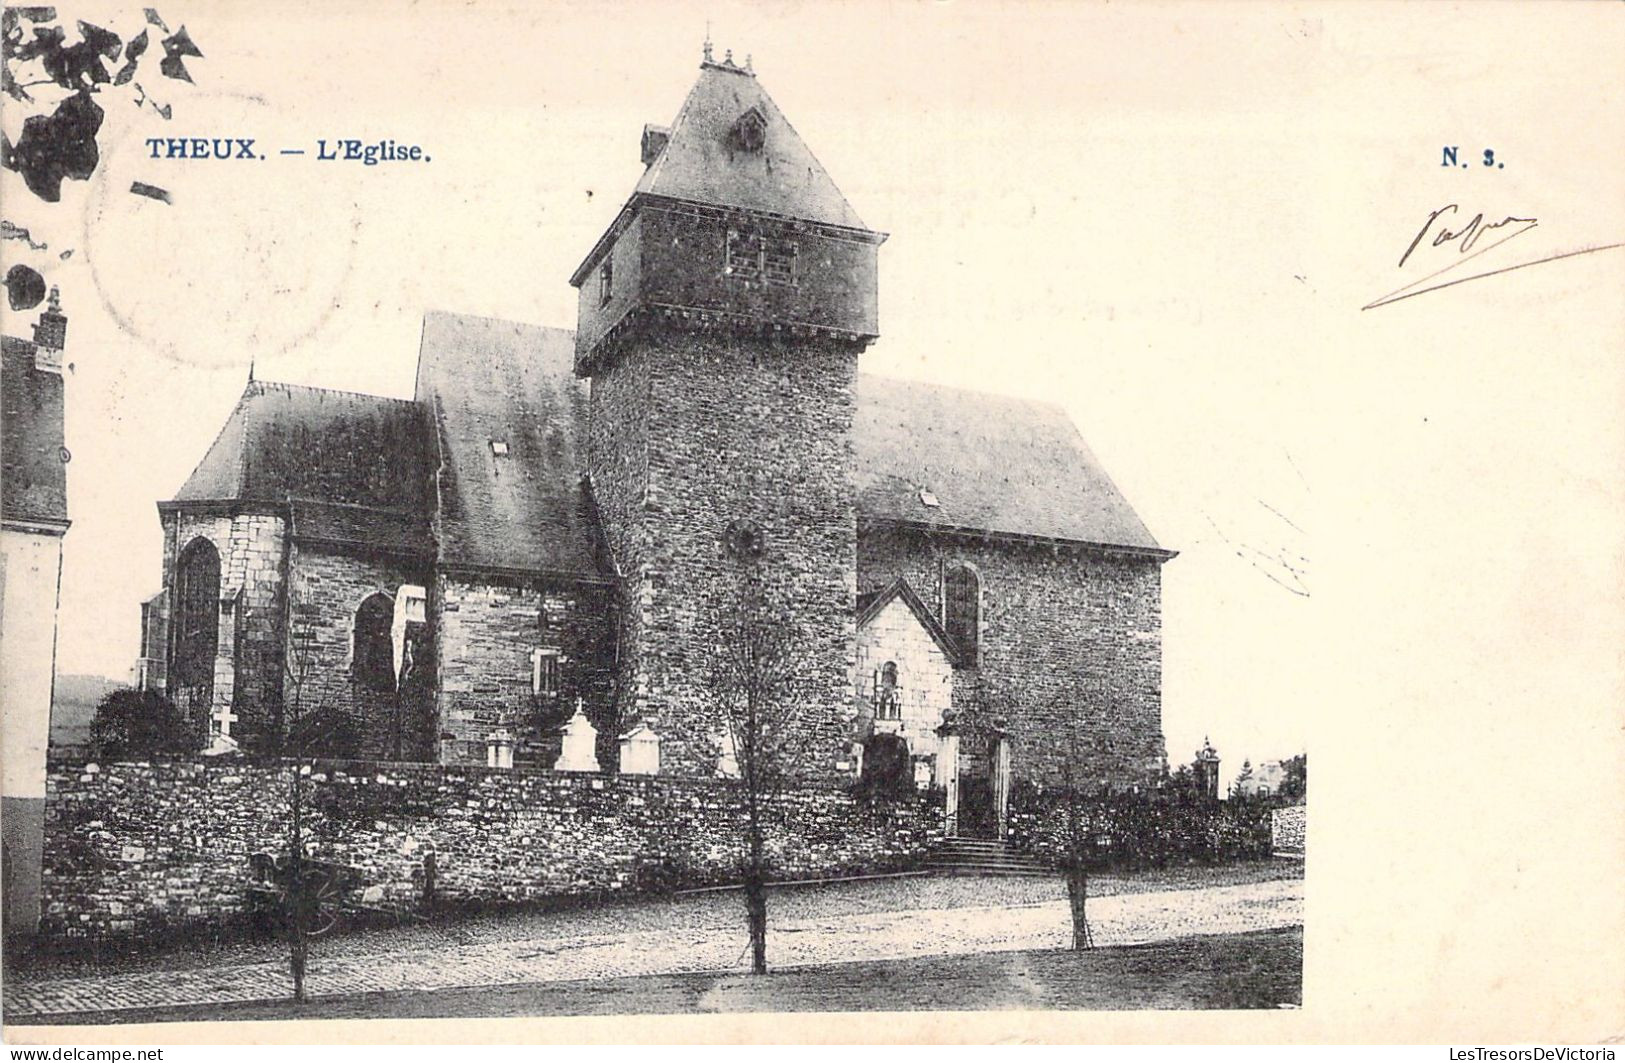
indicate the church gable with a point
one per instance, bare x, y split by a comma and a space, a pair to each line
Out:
897, 601
904, 672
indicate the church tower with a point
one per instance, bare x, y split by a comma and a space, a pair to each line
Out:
720, 321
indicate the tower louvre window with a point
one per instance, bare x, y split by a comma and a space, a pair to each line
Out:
779, 262
606, 280
751, 256
744, 255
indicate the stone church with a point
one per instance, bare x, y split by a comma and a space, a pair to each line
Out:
527, 563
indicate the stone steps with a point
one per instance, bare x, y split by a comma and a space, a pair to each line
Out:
980, 856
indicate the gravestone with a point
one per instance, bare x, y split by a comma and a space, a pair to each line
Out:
640, 751
580, 749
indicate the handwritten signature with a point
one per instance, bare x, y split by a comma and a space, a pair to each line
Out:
1468, 235
1465, 242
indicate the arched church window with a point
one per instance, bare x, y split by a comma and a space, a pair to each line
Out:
962, 610
197, 614
374, 661
888, 705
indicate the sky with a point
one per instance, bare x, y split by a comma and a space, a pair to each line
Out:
1164, 218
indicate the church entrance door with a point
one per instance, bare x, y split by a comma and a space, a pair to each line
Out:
977, 816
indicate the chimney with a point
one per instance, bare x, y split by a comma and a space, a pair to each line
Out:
50, 335
654, 142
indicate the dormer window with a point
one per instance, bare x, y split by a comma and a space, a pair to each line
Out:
606, 281
749, 133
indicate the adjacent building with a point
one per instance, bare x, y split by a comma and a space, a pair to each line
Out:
33, 521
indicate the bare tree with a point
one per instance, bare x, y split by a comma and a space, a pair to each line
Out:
1078, 837
1078, 840
310, 891
755, 682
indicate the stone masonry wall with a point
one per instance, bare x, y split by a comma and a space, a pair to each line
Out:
248, 662
1071, 643
618, 465
1287, 828
145, 849
487, 629
327, 588
691, 431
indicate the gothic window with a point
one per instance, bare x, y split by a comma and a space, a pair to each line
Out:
888, 706
606, 279
197, 614
962, 610
374, 661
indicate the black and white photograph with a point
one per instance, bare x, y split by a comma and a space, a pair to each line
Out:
835, 516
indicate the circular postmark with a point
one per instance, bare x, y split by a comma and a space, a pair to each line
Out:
213, 261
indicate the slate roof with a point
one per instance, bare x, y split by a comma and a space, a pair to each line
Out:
487, 380
353, 468
702, 163
992, 463
33, 481
420, 476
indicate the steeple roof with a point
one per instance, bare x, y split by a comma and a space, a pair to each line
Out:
708, 157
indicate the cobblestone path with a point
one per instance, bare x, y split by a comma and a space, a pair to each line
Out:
1115, 920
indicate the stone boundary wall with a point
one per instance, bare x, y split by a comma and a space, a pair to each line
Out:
144, 849
1287, 829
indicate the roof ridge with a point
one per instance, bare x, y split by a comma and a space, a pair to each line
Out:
494, 321
260, 387
978, 392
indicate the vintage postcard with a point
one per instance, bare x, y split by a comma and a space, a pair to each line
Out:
643, 521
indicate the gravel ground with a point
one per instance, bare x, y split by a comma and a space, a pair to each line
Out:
700, 933
704, 911
1257, 969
